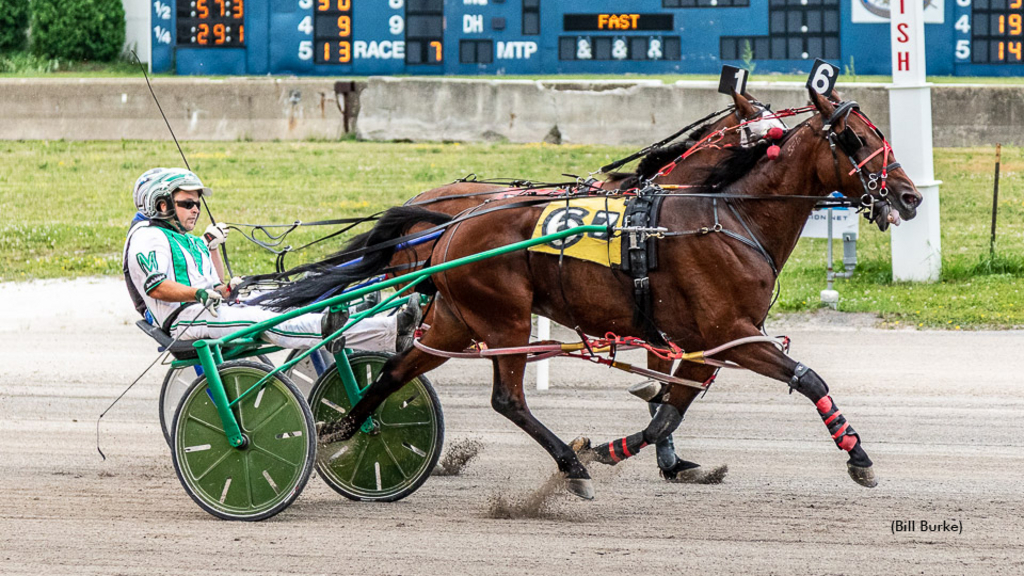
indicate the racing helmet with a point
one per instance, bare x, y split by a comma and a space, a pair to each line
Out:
159, 184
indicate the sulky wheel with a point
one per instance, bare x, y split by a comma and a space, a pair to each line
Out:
176, 383
268, 473
395, 452
305, 373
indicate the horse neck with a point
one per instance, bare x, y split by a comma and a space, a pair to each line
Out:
777, 224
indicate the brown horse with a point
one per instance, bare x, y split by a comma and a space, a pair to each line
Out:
455, 198
711, 288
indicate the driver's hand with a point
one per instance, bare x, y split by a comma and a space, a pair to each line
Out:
215, 235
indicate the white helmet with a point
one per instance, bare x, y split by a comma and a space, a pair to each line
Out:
159, 184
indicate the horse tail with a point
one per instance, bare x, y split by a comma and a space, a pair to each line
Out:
326, 275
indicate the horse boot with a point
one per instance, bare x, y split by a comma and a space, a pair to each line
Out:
859, 466
672, 467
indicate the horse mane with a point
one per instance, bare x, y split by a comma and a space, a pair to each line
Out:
737, 163
656, 159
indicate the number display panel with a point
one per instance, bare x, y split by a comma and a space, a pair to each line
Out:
997, 31
525, 37
211, 23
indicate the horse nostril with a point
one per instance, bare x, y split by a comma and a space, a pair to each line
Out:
910, 200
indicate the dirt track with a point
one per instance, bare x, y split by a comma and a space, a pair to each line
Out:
939, 412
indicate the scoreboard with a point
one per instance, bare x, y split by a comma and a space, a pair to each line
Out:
498, 37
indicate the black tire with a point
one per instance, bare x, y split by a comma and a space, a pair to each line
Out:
176, 384
395, 459
263, 478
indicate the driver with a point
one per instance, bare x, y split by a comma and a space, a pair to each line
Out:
179, 277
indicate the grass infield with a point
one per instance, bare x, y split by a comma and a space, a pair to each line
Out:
65, 207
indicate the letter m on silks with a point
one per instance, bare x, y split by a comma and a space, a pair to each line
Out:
147, 263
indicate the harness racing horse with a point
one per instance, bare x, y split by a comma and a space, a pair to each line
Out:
452, 199
713, 290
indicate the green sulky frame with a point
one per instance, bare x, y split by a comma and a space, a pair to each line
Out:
210, 351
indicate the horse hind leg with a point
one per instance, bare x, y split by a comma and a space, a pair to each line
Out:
667, 405
509, 400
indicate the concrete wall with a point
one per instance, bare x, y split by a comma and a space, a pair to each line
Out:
198, 109
570, 112
595, 112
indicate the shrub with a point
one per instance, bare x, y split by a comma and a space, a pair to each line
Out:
13, 23
78, 29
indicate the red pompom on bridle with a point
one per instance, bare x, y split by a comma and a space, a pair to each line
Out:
775, 133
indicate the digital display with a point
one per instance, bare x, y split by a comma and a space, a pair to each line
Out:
211, 23
540, 37
332, 31
998, 31
424, 32
616, 22
618, 48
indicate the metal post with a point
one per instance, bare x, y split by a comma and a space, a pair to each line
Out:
829, 295
543, 333
995, 204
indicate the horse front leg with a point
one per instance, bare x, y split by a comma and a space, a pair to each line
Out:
769, 361
668, 406
509, 400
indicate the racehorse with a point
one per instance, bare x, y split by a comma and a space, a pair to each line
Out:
455, 198
747, 122
711, 288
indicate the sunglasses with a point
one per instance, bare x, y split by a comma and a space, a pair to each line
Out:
187, 204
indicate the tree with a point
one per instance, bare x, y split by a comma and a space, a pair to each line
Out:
78, 29
13, 23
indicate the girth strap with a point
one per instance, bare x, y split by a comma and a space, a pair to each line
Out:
639, 258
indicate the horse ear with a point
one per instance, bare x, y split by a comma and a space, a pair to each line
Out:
743, 106
836, 96
822, 104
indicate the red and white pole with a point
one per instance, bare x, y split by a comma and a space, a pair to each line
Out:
916, 246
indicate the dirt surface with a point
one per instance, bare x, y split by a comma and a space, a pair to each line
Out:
939, 413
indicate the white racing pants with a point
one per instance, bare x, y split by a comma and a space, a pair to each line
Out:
376, 334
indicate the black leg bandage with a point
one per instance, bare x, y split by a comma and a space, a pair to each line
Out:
664, 447
808, 383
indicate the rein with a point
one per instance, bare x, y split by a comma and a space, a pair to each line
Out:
651, 148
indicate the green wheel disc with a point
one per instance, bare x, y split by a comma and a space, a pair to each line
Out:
264, 477
401, 448
176, 384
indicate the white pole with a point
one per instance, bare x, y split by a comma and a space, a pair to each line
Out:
543, 333
916, 246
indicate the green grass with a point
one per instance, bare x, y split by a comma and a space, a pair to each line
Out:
65, 206
28, 65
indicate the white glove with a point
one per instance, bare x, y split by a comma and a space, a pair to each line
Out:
210, 299
215, 235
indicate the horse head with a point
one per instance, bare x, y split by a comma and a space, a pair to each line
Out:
862, 163
754, 118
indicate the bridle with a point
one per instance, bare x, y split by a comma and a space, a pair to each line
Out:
762, 113
850, 143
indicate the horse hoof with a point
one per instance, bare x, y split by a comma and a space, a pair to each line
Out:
582, 487
863, 475
580, 444
647, 391
682, 470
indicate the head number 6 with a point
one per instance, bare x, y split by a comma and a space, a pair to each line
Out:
823, 77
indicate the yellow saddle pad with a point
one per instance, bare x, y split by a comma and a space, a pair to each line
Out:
592, 247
